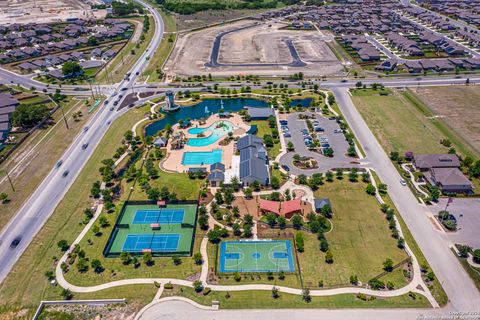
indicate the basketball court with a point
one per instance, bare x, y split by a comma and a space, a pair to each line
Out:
256, 256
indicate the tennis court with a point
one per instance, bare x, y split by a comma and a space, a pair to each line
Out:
148, 227
163, 216
151, 242
256, 256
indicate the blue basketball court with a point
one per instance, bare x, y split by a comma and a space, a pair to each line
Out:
153, 242
165, 216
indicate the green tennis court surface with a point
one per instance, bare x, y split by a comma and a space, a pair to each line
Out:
150, 228
256, 256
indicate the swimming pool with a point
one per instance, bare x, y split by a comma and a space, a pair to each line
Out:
202, 157
213, 133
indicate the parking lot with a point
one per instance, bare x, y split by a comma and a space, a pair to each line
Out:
467, 213
331, 135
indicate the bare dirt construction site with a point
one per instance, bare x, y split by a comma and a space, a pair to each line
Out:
45, 11
458, 106
255, 48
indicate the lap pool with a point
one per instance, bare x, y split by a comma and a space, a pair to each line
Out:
202, 158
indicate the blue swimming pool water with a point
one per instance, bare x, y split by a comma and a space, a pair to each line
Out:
197, 111
212, 133
202, 157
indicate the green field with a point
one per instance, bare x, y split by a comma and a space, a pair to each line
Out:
263, 300
360, 239
401, 122
263, 129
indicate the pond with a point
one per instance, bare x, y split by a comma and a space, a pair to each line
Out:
207, 107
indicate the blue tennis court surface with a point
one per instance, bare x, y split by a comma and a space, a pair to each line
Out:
155, 242
165, 216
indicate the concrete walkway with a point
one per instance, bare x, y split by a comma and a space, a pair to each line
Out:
415, 183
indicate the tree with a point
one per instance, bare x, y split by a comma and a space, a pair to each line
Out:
329, 257
125, 257
282, 222
63, 245
370, 189
271, 218
82, 265
198, 286
324, 245
302, 179
214, 236
147, 258
92, 41
306, 295
247, 231
176, 260
329, 176
328, 152
354, 280
290, 146
103, 221
67, 294
275, 182
255, 185
476, 255
197, 257
275, 293
297, 221
388, 265
326, 210
96, 229
248, 193
434, 194
72, 69
97, 266
3, 197
29, 115
236, 229
299, 241
235, 183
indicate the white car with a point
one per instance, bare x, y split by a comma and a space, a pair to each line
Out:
403, 182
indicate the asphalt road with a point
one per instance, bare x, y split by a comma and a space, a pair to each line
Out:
38, 208
463, 295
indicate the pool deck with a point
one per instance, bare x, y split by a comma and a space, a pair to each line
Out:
173, 161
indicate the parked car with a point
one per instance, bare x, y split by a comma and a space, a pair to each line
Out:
287, 134
403, 182
319, 129
285, 167
65, 173
338, 131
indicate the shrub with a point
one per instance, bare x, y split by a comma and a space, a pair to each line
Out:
354, 279
476, 255
329, 257
206, 291
168, 286
299, 242
198, 286
376, 284
237, 277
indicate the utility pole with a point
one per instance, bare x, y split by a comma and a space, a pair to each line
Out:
65, 118
9, 180
91, 90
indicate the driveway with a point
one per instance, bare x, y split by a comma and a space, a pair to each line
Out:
336, 140
467, 213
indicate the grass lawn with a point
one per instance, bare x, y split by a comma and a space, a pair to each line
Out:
263, 299
158, 58
180, 183
263, 129
360, 240
435, 287
401, 122
37, 165
26, 285
124, 60
473, 272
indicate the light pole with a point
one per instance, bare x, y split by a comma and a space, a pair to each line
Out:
9, 180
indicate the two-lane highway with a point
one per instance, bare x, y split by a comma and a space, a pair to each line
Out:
38, 208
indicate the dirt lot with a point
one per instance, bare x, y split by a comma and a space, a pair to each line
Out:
256, 43
458, 106
27, 11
